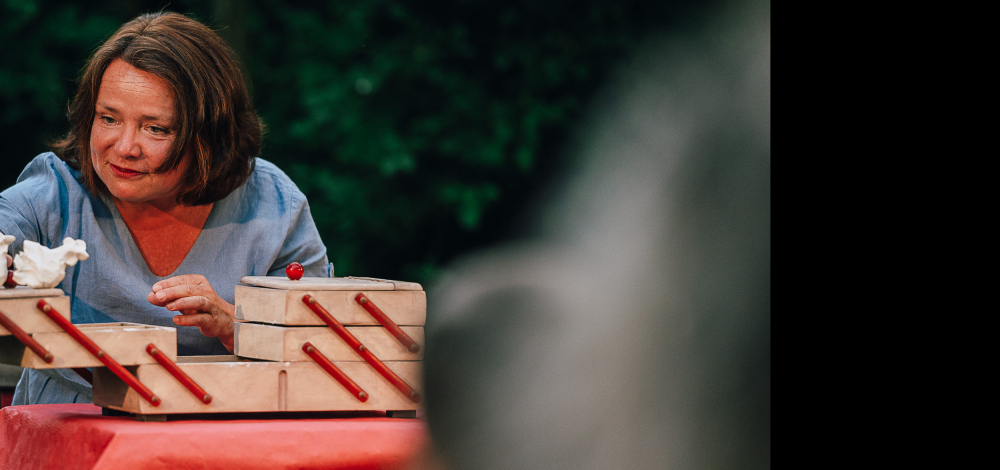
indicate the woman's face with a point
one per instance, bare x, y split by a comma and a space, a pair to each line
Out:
134, 129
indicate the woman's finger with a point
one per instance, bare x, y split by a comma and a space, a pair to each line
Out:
195, 279
201, 320
209, 325
151, 297
198, 302
183, 290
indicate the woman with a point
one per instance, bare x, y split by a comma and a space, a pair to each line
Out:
159, 176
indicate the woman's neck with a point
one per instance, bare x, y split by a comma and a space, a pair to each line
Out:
144, 215
163, 233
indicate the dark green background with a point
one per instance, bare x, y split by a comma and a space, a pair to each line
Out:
418, 130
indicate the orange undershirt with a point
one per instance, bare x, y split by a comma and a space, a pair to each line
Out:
164, 236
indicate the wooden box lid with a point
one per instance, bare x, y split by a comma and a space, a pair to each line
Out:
285, 307
21, 292
329, 283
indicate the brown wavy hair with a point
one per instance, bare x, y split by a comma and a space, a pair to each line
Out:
216, 117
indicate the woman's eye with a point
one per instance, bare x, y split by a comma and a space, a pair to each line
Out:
108, 119
157, 130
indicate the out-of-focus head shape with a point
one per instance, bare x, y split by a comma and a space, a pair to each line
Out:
635, 332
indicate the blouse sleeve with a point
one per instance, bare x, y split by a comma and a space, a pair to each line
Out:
31, 209
281, 199
302, 243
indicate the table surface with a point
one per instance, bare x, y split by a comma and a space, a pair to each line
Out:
78, 437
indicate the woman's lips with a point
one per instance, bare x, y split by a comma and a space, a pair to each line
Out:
123, 172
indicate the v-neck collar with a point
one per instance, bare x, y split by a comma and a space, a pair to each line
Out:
134, 256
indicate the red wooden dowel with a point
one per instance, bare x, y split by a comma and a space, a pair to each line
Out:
99, 353
353, 342
387, 322
335, 371
179, 374
25, 338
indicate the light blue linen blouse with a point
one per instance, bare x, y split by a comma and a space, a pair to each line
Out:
257, 230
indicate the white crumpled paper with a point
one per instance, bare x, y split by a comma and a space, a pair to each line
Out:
41, 268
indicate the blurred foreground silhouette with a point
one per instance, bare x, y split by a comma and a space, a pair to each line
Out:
634, 331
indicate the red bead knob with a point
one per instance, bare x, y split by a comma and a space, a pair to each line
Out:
294, 271
9, 283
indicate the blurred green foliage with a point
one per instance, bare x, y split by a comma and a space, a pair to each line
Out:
417, 129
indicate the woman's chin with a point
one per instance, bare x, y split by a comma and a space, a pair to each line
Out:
124, 193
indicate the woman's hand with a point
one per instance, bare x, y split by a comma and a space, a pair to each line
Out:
199, 305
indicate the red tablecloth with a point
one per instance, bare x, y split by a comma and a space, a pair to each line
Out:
78, 437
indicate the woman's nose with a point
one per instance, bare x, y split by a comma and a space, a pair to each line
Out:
127, 145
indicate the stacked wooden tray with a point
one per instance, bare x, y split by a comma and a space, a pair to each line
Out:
287, 358
19, 309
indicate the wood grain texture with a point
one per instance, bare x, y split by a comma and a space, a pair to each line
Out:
329, 283
281, 307
311, 388
399, 285
257, 387
316, 283
281, 343
24, 292
125, 342
23, 312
